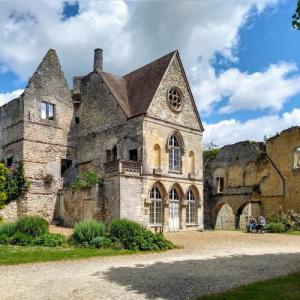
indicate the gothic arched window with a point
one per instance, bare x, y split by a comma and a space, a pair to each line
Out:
190, 208
155, 206
174, 154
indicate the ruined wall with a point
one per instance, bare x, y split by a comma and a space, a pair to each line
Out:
46, 141
280, 149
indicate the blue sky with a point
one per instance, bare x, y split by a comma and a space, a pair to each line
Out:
241, 59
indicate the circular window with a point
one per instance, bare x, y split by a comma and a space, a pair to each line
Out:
174, 98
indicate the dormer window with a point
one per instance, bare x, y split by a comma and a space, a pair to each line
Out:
297, 158
47, 111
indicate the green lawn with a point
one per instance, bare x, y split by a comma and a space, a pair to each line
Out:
281, 288
11, 255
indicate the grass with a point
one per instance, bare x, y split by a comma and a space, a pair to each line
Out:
281, 288
12, 255
293, 232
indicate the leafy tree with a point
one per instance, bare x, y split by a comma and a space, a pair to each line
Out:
296, 17
3, 178
210, 151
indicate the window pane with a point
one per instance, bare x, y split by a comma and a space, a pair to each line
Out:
43, 110
50, 111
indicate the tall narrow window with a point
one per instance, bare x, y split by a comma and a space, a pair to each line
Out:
133, 154
9, 161
297, 158
47, 111
190, 208
155, 207
174, 154
220, 185
114, 153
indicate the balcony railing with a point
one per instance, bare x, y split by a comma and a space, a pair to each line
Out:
123, 167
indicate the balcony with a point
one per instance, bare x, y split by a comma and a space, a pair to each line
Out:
123, 167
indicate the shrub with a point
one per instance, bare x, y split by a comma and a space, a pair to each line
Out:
20, 238
50, 240
86, 180
101, 242
135, 237
32, 226
84, 232
276, 227
4, 239
8, 229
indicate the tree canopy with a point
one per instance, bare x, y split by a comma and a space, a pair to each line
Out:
296, 17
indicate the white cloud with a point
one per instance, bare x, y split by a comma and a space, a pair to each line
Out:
6, 97
131, 33
269, 89
232, 131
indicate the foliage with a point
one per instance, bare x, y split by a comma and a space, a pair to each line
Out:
86, 180
210, 151
50, 240
296, 17
3, 179
135, 237
12, 184
277, 227
101, 242
291, 220
21, 239
8, 229
4, 239
84, 232
281, 288
32, 226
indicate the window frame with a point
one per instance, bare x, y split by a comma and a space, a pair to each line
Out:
174, 154
191, 208
47, 116
156, 207
296, 156
220, 183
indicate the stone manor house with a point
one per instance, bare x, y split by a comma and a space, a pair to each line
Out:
141, 132
251, 179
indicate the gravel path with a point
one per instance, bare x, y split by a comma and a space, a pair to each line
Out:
209, 262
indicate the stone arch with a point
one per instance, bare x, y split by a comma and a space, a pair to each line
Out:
161, 188
179, 190
224, 216
157, 157
195, 192
192, 162
247, 209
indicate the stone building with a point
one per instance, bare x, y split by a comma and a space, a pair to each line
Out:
141, 132
251, 179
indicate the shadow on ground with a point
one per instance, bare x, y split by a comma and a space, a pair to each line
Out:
190, 279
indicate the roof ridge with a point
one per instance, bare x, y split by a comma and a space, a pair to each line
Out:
162, 57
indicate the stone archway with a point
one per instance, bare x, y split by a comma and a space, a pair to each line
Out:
245, 211
225, 218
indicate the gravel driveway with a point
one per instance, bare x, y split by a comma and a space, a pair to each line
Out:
209, 262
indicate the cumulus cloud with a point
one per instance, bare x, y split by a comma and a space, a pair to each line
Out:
131, 33
6, 97
232, 131
269, 89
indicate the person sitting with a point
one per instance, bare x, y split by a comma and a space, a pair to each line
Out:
252, 224
261, 224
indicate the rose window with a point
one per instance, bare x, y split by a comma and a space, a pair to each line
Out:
174, 98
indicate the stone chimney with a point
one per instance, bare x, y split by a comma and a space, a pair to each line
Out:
98, 59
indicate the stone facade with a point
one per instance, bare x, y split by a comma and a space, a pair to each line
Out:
120, 127
252, 179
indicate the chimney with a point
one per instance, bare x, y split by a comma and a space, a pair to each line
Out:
98, 59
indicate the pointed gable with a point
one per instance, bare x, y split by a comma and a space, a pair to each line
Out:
142, 84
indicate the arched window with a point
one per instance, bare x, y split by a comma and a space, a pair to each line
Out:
155, 206
174, 154
173, 195
192, 162
190, 208
297, 158
157, 159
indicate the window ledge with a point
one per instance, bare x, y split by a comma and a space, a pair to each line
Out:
191, 224
175, 172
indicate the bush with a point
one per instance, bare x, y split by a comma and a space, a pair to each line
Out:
276, 227
4, 239
101, 242
134, 237
21, 239
32, 226
86, 180
8, 229
85, 231
50, 240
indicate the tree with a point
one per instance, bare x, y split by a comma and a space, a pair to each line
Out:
296, 17
3, 177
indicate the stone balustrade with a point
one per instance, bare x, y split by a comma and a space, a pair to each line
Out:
123, 167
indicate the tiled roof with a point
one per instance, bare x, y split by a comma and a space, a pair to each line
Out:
135, 91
